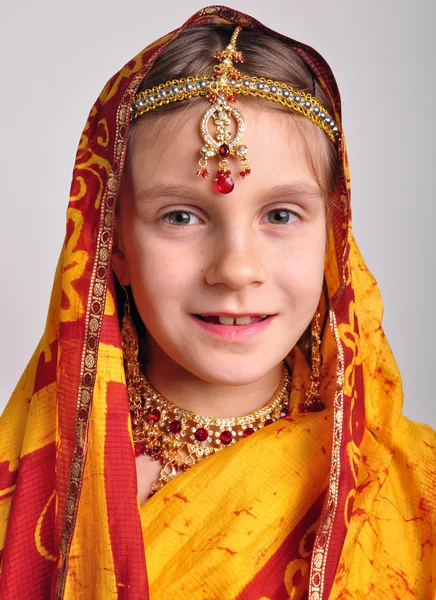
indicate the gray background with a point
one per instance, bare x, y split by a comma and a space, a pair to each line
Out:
55, 58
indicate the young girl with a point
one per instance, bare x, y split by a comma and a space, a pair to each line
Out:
213, 410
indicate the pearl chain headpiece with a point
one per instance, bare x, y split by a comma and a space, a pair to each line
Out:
220, 89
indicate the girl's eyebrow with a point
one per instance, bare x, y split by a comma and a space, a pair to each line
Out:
161, 190
183, 192
294, 189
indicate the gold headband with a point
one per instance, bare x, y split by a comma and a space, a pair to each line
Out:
220, 89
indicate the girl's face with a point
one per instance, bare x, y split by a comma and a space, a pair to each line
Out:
187, 250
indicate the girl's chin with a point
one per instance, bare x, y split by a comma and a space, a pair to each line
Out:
228, 368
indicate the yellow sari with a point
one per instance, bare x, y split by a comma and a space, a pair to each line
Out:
336, 504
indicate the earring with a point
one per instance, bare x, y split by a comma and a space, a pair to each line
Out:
129, 339
312, 402
134, 381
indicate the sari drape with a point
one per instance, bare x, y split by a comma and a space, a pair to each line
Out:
337, 504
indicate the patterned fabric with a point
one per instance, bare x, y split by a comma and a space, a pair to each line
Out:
338, 504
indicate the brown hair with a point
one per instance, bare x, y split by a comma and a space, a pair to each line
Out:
192, 53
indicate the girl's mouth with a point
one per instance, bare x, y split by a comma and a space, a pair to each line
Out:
229, 329
226, 320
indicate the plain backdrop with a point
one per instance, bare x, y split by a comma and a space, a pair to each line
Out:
55, 58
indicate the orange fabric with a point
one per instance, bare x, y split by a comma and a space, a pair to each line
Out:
339, 504
235, 514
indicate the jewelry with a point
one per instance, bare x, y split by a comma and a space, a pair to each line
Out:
312, 401
180, 438
220, 89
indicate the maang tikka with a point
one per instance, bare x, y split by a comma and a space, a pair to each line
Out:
221, 89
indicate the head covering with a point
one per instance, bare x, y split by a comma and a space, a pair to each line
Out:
70, 522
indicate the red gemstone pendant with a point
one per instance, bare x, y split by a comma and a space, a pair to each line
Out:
225, 184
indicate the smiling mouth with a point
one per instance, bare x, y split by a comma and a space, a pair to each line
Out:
225, 320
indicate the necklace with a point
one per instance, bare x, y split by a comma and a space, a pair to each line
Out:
180, 438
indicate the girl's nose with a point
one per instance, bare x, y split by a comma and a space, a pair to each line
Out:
236, 269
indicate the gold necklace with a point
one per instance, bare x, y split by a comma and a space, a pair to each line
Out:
180, 438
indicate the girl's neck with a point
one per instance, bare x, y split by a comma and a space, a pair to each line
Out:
192, 393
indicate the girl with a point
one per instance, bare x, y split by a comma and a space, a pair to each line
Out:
213, 410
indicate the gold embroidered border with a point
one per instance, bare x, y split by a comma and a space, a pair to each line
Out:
322, 540
94, 316
93, 322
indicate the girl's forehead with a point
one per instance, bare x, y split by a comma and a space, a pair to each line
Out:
166, 147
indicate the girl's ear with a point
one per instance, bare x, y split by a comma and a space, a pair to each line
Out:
119, 260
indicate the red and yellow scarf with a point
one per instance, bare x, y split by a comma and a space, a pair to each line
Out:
337, 504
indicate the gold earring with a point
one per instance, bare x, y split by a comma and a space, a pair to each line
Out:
129, 338
134, 383
312, 402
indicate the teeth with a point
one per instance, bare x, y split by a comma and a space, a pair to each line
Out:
224, 320
243, 321
229, 320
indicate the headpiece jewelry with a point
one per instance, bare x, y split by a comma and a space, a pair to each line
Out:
220, 89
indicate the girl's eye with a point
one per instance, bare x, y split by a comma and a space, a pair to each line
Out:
281, 216
278, 216
178, 217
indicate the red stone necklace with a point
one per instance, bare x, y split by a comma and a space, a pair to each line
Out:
180, 438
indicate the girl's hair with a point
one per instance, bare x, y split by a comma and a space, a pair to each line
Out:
192, 53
